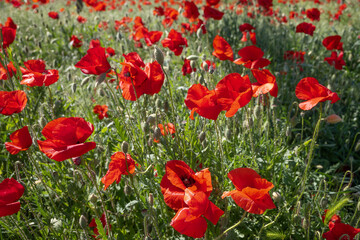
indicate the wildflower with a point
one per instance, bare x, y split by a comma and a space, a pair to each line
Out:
20, 141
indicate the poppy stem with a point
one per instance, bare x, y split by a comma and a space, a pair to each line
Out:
222, 168
232, 227
51, 104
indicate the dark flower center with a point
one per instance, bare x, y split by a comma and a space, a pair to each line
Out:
188, 181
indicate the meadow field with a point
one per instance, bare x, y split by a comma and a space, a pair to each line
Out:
152, 119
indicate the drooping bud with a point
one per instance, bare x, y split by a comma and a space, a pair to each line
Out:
202, 136
83, 222
73, 87
93, 198
157, 133
159, 55
333, 119
151, 119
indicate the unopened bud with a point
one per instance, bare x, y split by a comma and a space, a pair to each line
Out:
85, 81
151, 199
288, 131
157, 133
73, 87
333, 119
323, 202
83, 222
55, 175
202, 136
127, 190
159, 55
158, 103
276, 196
297, 219
192, 64
151, 119
199, 49
357, 147
305, 224
93, 198
228, 134
205, 66
145, 127
125, 147
102, 92
211, 69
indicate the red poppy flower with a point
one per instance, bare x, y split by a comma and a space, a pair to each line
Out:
65, 138
134, 79
310, 90
53, 15
341, 231
168, 129
12, 102
186, 68
212, 2
266, 83
266, 4
190, 220
233, 92
75, 41
35, 74
336, 60
179, 177
204, 102
10, 192
8, 32
152, 37
334, 219
191, 11
333, 43
252, 191
246, 30
306, 28
313, 14
94, 62
175, 42
252, 57
101, 111
110, 52
222, 49
94, 43
209, 64
4, 72
210, 12
119, 165
81, 19
159, 11
21, 141
297, 56
94, 225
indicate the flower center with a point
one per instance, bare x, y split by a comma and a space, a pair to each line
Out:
188, 181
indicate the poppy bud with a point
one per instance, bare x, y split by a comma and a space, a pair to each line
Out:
151, 119
318, 235
102, 92
305, 223
127, 189
83, 222
297, 219
228, 134
199, 33
205, 66
288, 131
93, 198
159, 55
211, 69
357, 147
257, 111
151, 199
158, 103
150, 142
293, 121
358, 206
100, 78
276, 196
323, 202
157, 133
192, 64
333, 119
192, 57
85, 81
199, 49
55, 175
302, 114
73, 87
125, 147
202, 136
166, 106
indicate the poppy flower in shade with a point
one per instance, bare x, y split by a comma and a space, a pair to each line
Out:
158, 11
252, 57
233, 92
266, 4
75, 41
313, 14
94, 43
313, 92
252, 191
336, 60
53, 15
333, 43
222, 49
190, 220
210, 12
204, 102
186, 68
266, 83
94, 62
10, 192
206, 67
8, 32
94, 225
306, 28
179, 177
65, 138
35, 74
81, 19
20, 141
168, 129
246, 30
296, 56
12, 102
4, 72
120, 164
191, 11
175, 42
340, 230
101, 111
212, 2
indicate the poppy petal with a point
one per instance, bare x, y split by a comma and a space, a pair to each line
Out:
195, 228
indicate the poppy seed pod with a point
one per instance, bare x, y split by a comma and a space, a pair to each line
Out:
83, 222
125, 147
159, 55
